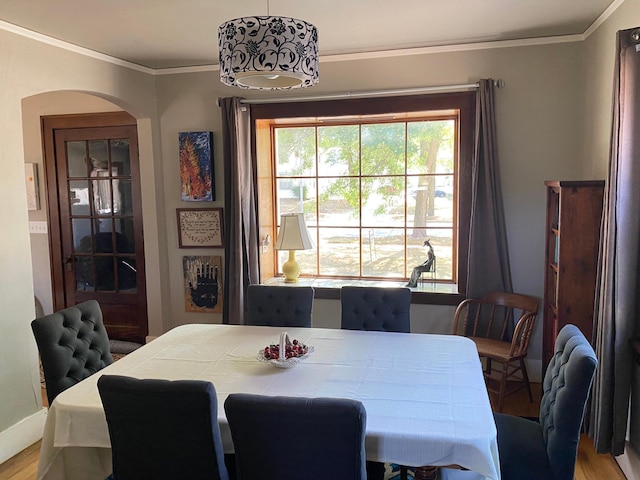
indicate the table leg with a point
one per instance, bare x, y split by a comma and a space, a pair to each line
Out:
426, 473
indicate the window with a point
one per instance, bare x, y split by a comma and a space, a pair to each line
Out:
375, 179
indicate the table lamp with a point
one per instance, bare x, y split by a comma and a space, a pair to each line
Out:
293, 235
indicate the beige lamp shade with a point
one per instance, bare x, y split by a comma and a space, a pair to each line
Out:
293, 234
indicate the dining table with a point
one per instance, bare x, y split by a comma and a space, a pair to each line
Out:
424, 394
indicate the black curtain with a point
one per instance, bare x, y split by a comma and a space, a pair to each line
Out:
488, 267
241, 209
616, 321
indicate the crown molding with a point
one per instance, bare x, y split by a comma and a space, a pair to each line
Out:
344, 57
24, 32
602, 18
54, 42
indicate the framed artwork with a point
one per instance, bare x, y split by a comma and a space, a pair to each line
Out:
202, 283
196, 166
199, 227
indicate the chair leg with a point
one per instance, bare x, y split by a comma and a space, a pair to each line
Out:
525, 377
503, 386
404, 475
375, 470
487, 369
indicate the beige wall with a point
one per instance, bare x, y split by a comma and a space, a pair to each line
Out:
539, 115
28, 68
187, 103
542, 132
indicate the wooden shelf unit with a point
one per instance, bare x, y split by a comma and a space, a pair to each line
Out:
574, 213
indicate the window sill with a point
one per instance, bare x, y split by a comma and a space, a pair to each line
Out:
426, 292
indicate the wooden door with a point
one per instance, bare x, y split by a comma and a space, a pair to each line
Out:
95, 218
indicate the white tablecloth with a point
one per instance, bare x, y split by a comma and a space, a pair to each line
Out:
425, 396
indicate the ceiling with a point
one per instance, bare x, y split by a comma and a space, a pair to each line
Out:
183, 33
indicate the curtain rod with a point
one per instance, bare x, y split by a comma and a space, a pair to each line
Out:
375, 93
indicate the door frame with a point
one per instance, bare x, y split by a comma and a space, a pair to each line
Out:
49, 124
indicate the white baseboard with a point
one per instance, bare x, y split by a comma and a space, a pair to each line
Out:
629, 462
22, 435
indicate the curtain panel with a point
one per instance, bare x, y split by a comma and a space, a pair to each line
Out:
241, 266
488, 267
616, 305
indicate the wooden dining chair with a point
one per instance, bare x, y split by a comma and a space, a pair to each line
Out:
162, 429
279, 306
73, 344
501, 325
288, 438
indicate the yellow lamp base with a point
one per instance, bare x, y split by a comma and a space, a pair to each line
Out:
291, 268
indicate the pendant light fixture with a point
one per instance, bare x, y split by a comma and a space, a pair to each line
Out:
268, 52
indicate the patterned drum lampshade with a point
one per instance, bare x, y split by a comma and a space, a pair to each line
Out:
268, 53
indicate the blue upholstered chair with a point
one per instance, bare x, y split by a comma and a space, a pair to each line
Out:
547, 449
73, 344
286, 438
376, 308
279, 306
163, 430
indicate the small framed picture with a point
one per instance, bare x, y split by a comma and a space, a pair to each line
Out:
202, 283
200, 227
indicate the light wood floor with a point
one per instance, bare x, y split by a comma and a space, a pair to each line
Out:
590, 465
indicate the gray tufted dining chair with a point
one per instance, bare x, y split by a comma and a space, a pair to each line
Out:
163, 429
289, 438
531, 450
279, 306
73, 344
381, 309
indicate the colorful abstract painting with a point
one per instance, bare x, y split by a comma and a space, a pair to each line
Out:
202, 283
196, 166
